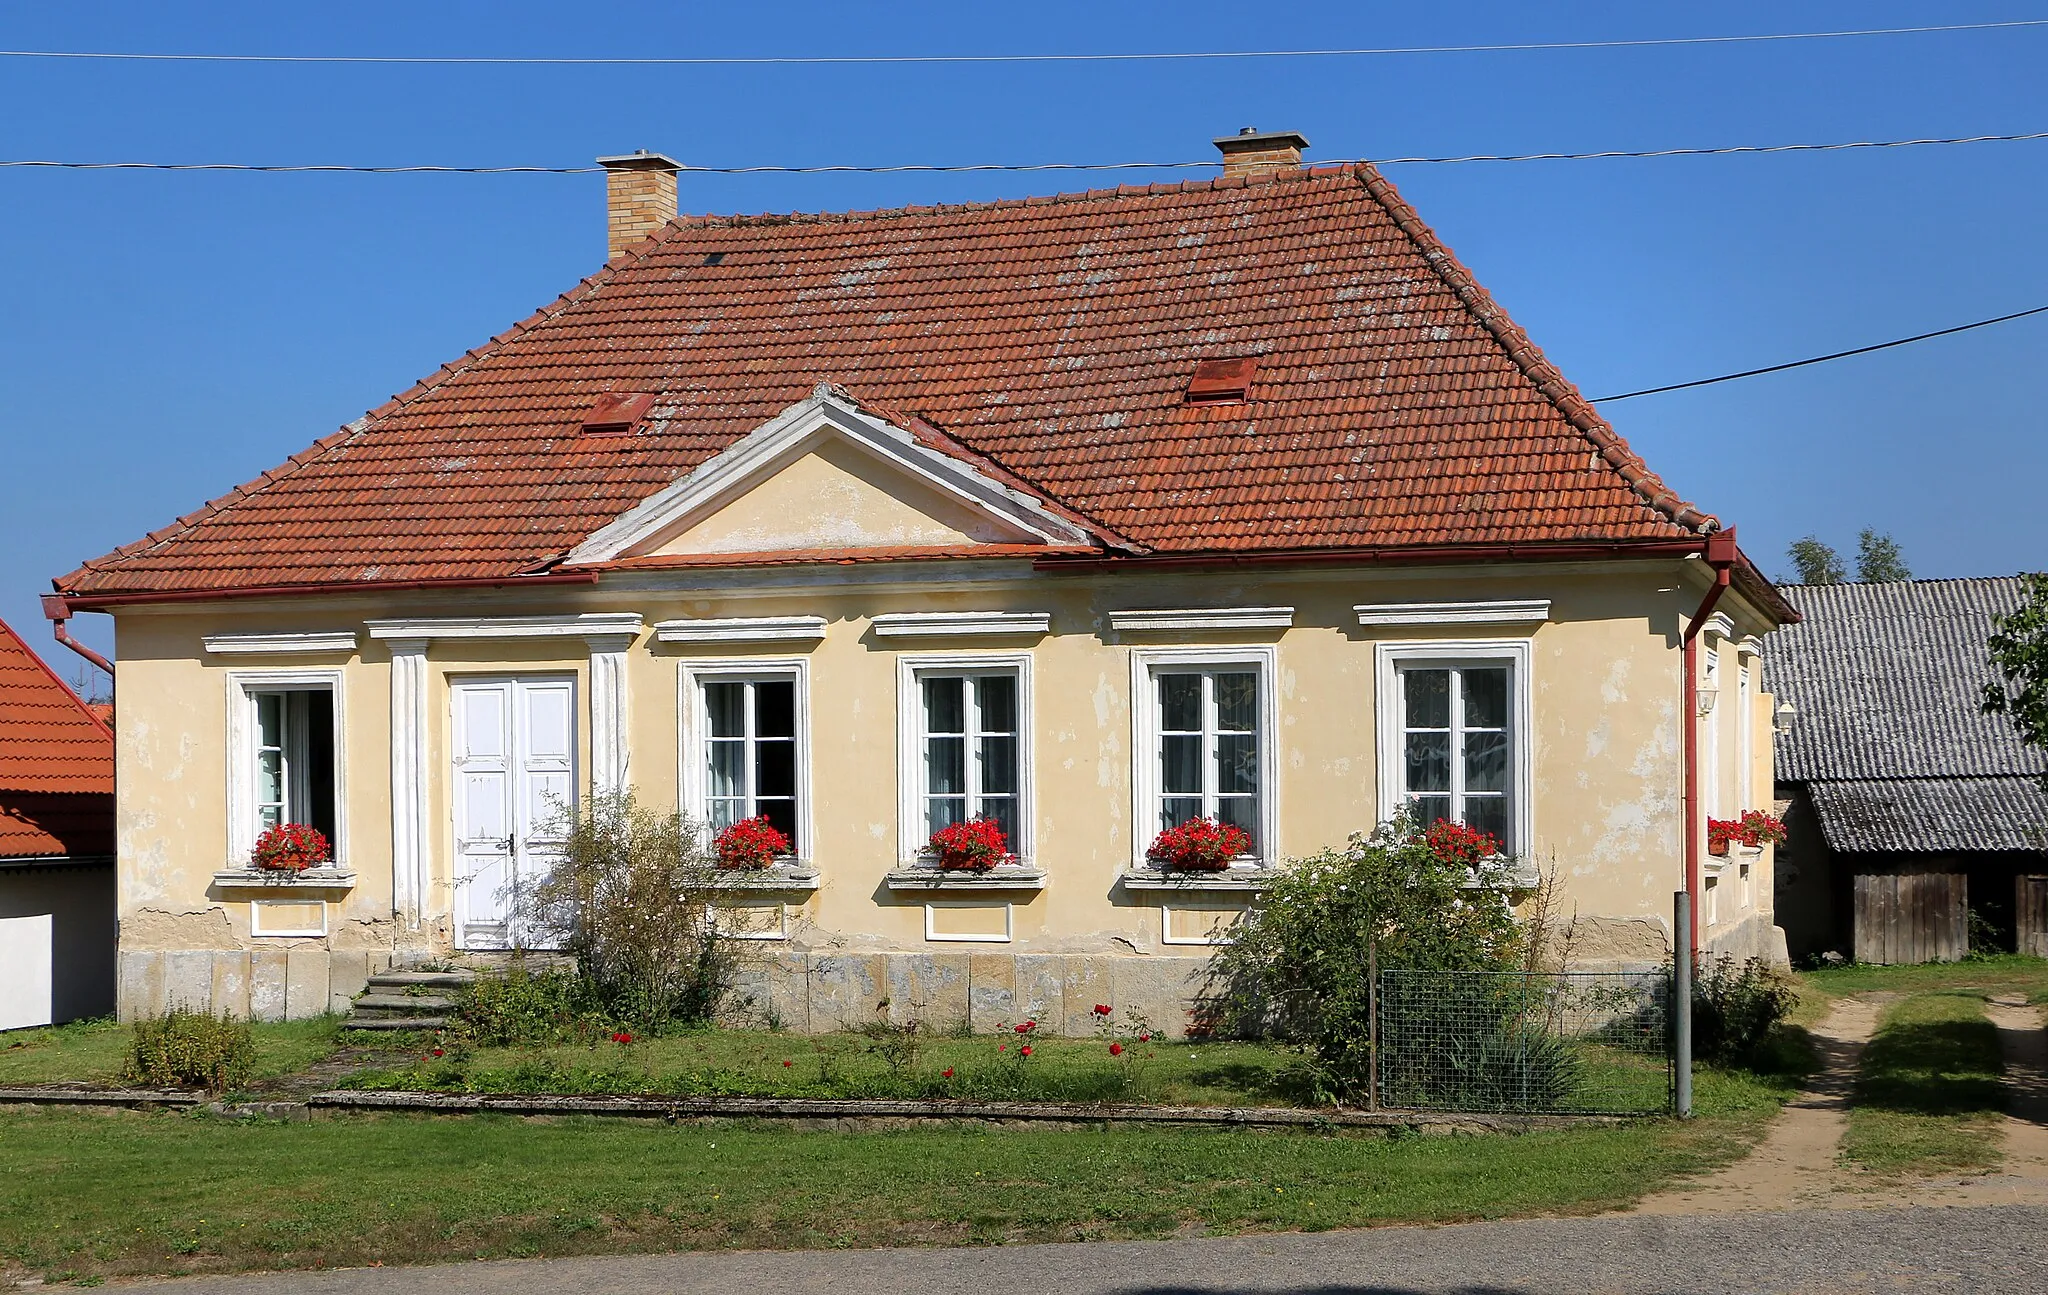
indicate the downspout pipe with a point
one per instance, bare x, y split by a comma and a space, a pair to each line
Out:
59, 611
1721, 555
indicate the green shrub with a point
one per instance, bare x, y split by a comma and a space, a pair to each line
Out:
1735, 1007
524, 1008
1297, 969
633, 900
184, 1049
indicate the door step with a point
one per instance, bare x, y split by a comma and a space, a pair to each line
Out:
408, 1000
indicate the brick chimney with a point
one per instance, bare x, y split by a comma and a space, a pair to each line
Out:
1255, 152
640, 197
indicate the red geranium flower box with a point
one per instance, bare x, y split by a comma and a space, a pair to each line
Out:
751, 843
290, 847
976, 845
1199, 845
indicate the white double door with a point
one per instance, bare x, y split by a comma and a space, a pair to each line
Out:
514, 780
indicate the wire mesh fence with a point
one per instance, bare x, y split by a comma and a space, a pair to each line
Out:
1567, 1042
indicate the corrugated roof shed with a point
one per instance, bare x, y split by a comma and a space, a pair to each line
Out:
1393, 403
56, 763
1891, 738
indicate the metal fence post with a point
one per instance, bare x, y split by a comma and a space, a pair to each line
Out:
1681, 1005
1372, 1016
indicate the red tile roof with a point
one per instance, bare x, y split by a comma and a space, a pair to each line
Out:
56, 763
1393, 404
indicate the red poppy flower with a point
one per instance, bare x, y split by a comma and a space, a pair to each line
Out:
1102, 1009
1116, 1049
947, 1073
1024, 1051
788, 1063
1002, 1047
1027, 1027
439, 1053
1144, 1038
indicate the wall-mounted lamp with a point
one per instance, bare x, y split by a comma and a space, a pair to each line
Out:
1707, 697
1781, 719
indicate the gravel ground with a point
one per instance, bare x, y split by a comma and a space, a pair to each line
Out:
1982, 1250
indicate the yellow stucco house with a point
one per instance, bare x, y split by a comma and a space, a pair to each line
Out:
1088, 514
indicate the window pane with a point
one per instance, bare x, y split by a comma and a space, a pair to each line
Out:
1241, 811
1428, 809
269, 719
941, 811
782, 813
1237, 763
1486, 762
724, 813
945, 766
998, 766
775, 708
1180, 703
1428, 762
998, 695
725, 709
269, 778
269, 816
1180, 765
1429, 698
1175, 810
1486, 698
1488, 814
1237, 702
943, 712
775, 773
1003, 810
728, 768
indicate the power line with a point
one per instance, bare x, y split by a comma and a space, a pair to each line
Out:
1823, 359
686, 168
1137, 57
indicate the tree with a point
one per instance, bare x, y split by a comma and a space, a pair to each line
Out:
1878, 560
1817, 563
2019, 652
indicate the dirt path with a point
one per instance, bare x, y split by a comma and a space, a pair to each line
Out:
1796, 1165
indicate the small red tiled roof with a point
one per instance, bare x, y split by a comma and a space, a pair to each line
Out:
1393, 403
56, 763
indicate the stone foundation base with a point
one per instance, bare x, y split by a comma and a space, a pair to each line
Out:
260, 984
1755, 937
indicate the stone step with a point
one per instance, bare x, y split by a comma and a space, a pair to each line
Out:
404, 1004
396, 1023
424, 979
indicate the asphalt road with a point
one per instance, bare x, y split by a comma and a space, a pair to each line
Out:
1982, 1250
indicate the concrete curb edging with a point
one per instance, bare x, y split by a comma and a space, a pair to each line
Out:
56, 1095
893, 1111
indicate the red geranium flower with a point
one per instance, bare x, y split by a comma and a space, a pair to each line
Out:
290, 847
973, 846
1201, 844
751, 843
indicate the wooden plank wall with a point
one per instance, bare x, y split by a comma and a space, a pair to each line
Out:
2030, 915
1912, 917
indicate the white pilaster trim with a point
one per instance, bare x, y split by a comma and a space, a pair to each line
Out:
741, 629
896, 625
1160, 620
610, 752
585, 625
280, 644
410, 841
1499, 611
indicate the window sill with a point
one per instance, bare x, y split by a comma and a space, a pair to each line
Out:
329, 878
1005, 878
751, 880
1238, 879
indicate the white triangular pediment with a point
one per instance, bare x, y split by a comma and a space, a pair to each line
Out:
825, 474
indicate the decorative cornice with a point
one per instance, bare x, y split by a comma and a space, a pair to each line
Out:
1501, 611
587, 625
741, 629
326, 641
1720, 625
1148, 620
956, 624
1751, 646
276, 881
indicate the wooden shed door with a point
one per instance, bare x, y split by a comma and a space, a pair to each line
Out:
1912, 917
2030, 915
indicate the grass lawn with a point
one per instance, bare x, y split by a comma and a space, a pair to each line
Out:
92, 1051
102, 1194
1929, 1095
2004, 974
752, 1063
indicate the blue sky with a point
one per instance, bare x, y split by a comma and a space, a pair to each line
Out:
169, 336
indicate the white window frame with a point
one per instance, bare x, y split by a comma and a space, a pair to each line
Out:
911, 670
242, 739
1264, 660
1517, 655
694, 726
1745, 736
1710, 671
